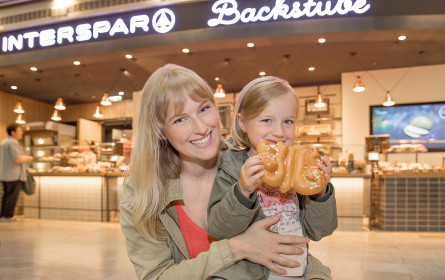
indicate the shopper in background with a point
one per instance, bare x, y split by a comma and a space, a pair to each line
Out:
12, 170
164, 200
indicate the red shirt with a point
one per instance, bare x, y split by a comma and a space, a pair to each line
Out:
196, 239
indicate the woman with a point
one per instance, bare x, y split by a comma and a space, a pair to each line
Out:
164, 200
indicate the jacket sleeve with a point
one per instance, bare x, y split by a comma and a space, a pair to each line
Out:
155, 260
230, 212
319, 217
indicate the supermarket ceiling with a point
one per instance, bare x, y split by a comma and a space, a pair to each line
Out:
283, 49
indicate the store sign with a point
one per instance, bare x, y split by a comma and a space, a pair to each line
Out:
190, 16
228, 13
163, 21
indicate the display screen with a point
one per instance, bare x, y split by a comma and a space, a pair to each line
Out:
424, 121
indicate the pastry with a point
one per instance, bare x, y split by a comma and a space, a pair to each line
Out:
291, 167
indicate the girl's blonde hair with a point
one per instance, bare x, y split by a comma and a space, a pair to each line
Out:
153, 159
253, 99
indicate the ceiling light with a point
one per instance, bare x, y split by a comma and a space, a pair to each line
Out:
321, 40
76, 62
185, 50
402, 38
33, 69
216, 78
262, 73
219, 91
128, 56
311, 68
121, 93
56, 116
59, 104
358, 85
388, 102
105, 100
14, 87
319, 103
60, 4
98, 114
19, 108
250, 45
20, 119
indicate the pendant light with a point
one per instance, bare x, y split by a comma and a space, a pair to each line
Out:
358, 85
59, 104
20, 119
219, 91
105, 100
389, 101
98, 114
319, 102
56, 116
19, 108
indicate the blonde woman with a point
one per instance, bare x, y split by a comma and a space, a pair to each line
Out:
165, 196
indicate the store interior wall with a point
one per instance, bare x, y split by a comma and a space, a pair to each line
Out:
122, 109
409, 85
34, 110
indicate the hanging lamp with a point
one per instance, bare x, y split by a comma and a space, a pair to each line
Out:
389, 101
20, 119
319, 102
358, 85
56, 116
105, 100
59, 104
98, 114
219, 91
19, 108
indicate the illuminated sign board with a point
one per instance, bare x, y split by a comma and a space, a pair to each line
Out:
229, 13
179, 17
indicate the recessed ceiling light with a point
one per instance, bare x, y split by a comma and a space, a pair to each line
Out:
311, 68
185, 50
33, 69
262, 73
76, 62
402, 38
216, 78
250, 45
322, 40
14, 87
121, 93
128, 56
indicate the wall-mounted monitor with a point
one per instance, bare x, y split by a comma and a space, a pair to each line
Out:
419, 121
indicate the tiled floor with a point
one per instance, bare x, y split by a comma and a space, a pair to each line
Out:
46, 249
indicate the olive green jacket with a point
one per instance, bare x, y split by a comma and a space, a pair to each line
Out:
169, 259
231, 213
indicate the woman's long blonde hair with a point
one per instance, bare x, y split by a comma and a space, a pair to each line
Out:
153, 159
253, 99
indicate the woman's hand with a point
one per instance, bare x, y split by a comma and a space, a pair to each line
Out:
263, 247
326, 168
251, 171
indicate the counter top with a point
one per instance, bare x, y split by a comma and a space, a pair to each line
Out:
412, 174
79, 174
351, 175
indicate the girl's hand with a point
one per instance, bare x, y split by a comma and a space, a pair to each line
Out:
263, 247
251, 171
326, 168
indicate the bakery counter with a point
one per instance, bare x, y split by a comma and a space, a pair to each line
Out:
352, 192
409, 201
75, 196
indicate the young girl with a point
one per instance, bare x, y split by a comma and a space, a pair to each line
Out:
267, 108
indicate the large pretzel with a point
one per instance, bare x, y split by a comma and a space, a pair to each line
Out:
291, 167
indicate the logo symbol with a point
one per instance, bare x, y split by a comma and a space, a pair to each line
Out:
163, 20
442, 112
